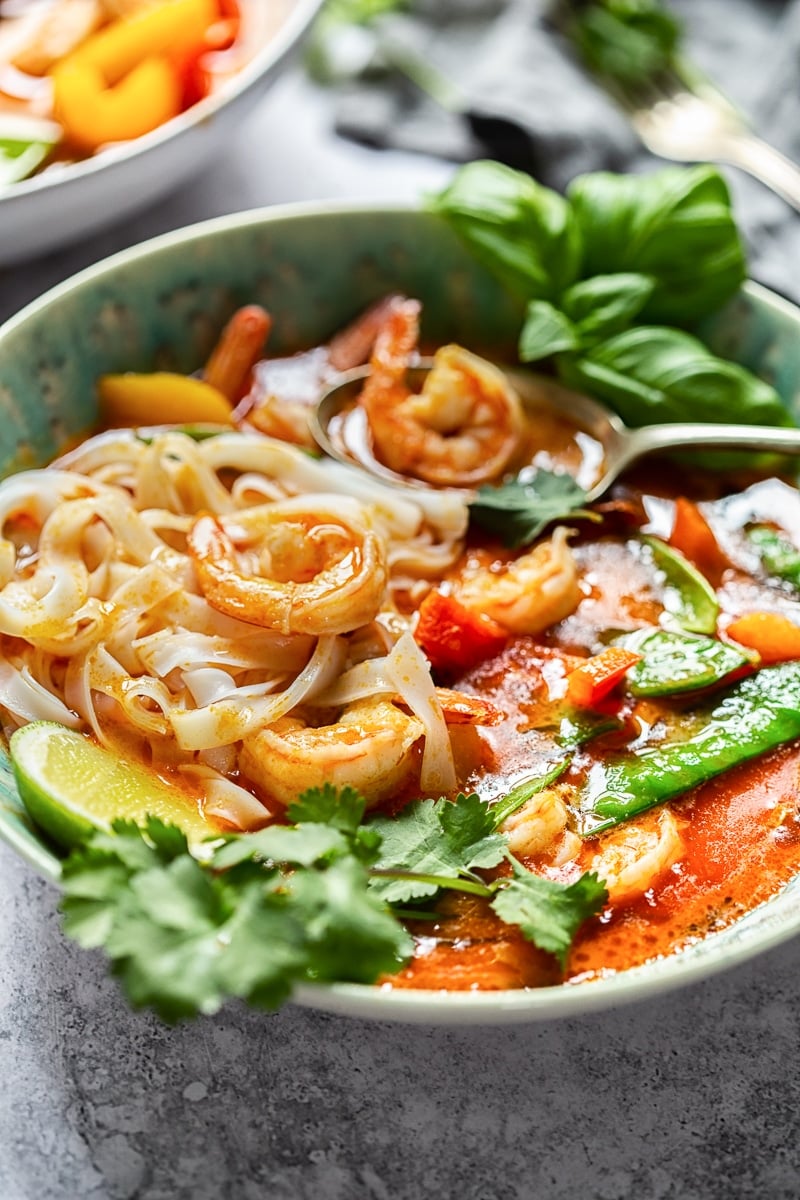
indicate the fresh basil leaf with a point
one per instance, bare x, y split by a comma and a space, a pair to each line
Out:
778, 556
546, 331
688, 596
651, 374
518, 512
606, 304
524, 233
549, 914
675, 225
625, 41
674, 663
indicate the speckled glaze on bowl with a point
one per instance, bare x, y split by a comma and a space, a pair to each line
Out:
57, 207
162, 304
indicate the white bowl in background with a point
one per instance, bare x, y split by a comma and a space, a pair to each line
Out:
61, 205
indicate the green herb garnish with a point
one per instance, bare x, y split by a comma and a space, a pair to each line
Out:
518, 511
306, 902
626, 42
435, 838
549, 914
608, 273
779, 557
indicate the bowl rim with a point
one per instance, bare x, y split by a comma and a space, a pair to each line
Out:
281, 44
436, 1007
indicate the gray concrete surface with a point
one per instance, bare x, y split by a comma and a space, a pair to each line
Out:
693, 1097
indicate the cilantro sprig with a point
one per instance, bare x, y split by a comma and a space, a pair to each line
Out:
310, 901
519, 510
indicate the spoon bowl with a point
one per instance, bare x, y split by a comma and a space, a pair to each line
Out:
341, 429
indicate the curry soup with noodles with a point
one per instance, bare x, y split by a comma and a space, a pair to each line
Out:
251, 620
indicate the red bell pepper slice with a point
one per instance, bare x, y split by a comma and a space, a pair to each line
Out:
453, 637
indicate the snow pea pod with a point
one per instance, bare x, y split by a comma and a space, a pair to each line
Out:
673, 662
577, 728
522, 792
758, 714
688, 596
778, 556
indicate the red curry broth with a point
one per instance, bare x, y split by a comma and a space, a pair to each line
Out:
741, 831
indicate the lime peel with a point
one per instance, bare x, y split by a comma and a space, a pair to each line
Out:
70, 786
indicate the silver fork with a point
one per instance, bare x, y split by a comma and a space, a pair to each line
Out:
683, 117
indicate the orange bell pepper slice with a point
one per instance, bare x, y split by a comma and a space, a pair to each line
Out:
599, 675
126, 80
93, 114
161, 399
453, 637
173, 29
775, 638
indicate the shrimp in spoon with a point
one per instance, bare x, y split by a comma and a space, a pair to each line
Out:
461, 430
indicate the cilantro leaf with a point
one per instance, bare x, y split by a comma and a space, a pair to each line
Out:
446, 838
349, 932
183, 935
341, 808
293, 904
518, 511
303, 845
549, 913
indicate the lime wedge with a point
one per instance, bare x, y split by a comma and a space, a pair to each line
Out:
70, 785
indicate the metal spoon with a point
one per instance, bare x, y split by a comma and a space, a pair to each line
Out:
621, 446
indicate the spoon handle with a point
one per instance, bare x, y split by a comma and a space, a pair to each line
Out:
652, 438
636, 443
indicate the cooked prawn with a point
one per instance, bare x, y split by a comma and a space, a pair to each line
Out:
370, 748
461, 430
311, 564
540, 825
631, 858
530, 593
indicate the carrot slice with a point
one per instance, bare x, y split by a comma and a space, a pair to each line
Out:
693, 536
775, 638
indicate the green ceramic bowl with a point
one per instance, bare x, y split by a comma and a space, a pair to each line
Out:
162, 304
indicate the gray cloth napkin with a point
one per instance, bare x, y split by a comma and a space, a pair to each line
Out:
507, 62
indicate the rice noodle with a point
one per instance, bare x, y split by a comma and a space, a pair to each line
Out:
409, 669
234, 717
104, 624
227, 801
28, 700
